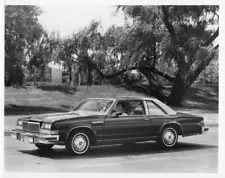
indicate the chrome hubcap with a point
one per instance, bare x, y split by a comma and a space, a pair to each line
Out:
80, 143
169, 137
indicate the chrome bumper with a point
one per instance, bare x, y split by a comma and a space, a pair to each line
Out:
34, 138
204, 130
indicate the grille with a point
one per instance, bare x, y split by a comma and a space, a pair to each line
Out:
31, 126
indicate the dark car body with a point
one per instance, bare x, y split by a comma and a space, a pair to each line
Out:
109, 127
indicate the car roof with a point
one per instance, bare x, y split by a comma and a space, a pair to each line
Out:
127, 97
137, 97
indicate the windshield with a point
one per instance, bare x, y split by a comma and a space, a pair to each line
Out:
97, 105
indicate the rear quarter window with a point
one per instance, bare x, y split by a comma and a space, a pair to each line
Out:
154, 110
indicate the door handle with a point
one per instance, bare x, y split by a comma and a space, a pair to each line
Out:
146, 119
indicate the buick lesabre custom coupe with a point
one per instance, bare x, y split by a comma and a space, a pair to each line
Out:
99, 121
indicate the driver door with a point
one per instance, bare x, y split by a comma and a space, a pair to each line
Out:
134, 125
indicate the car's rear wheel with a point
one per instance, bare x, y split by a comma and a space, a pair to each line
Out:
44, 147
78, 143
168, 137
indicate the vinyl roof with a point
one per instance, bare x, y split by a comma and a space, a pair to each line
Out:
127, 97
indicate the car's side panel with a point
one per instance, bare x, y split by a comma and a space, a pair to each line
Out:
94, 123
190, 125
125, 127
157, 122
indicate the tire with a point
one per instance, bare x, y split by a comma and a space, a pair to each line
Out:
168, 137
44, 147
78, 143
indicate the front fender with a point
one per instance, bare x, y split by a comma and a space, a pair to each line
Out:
77, 126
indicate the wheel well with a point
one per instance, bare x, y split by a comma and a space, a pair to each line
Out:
175, 126
86, 130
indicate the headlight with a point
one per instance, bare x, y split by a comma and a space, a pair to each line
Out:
46, 126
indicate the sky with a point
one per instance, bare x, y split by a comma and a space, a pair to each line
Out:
70, 18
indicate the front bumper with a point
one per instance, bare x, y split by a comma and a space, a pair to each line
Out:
204, 130
34, 138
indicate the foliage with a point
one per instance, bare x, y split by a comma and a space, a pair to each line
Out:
40, 54
166, 45
21, 30
210, 74
183, 41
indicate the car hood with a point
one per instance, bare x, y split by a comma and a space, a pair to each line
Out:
61, 116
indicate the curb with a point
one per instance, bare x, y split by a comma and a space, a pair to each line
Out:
7, 131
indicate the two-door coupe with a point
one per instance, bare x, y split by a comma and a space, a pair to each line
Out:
99, 121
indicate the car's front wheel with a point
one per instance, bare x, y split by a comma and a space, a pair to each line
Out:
78, 143
168, 137
44, 147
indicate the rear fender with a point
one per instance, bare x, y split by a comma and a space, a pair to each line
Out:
172, 123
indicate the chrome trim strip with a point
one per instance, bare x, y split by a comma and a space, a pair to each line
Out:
30, 122
37, 137
127, 139
146, 108
110, 108
97, 122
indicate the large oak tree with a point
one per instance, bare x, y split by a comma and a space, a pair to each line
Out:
182, 37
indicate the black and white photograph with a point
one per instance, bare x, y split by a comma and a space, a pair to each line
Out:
111, 88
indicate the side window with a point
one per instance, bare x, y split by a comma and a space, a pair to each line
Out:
129, 107
136, 108
153, 109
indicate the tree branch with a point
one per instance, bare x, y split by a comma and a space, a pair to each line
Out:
195, 71
92, 65
212, 38
216, 47
167, 22
115, 74
155, 71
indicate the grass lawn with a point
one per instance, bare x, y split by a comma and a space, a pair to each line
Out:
43, 99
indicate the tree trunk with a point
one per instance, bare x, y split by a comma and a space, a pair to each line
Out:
79, 79
184, 78
87, 78
34, 79
178, 90
70, 75
199, 65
